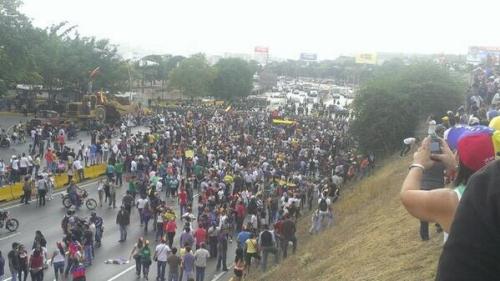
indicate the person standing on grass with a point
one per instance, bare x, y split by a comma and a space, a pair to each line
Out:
407, 145
201, 256
288, 235
267, 244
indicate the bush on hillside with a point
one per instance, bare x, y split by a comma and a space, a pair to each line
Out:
389, 107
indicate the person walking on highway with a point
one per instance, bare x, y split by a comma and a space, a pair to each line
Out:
14, 262
170, 229
118, 168
112, 194
187, 264
145, 254
222, 250
42, 186
200, 260
161, 254
23, 263
35, 266
174, 262
136, 254
26, 191
100, 191
123, 220
239, 264
58, 260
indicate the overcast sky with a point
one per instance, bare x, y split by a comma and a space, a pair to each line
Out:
288, 27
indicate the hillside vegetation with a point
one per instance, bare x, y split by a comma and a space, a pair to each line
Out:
373, 238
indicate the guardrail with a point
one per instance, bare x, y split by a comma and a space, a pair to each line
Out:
14, 191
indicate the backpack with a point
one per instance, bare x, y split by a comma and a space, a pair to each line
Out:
266, 239
322, 205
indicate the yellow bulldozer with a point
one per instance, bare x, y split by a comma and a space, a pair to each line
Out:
97, 107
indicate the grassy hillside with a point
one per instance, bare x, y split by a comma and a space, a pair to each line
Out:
373, 238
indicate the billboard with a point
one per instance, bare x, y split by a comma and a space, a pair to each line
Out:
260, 49
483, 55
308, 56
366, 58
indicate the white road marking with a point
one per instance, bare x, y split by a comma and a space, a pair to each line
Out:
10, 236
53, 195
218, 276
121, 273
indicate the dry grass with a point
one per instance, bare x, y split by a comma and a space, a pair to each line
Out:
373, 238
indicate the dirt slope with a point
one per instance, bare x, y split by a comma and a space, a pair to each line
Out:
373, 238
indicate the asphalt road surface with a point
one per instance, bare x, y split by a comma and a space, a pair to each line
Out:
48, 220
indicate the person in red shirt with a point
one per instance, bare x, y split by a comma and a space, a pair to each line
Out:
170, 227
182, 201
60, 140
49, 157
240, 215
201, 236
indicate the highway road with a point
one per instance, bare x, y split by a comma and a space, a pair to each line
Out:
48, 219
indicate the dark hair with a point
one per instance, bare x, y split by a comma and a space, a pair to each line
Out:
463, 174
174, 250
239, 255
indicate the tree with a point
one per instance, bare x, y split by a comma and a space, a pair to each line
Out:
267, 79
194, 77
234, 79
390, 107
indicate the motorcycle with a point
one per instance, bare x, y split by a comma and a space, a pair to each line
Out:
11, 224
90, 203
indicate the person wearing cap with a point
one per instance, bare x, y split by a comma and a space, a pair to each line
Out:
439, 205
472, 250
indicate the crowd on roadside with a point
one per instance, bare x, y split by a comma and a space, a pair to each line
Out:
460, 151
234, 175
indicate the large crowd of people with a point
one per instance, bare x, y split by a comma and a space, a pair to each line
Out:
225, 173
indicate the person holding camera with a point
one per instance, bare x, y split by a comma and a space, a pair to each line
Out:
439, 205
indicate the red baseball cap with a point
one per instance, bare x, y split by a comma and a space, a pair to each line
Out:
476, 150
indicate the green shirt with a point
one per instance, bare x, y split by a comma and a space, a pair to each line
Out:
119, 168
131, 187
198, 170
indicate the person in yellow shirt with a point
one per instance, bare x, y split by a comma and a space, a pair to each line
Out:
252, 251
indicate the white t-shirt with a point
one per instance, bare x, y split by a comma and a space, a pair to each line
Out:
141, 203
200, 257
162, 251
24, 162
77, 165
409, 140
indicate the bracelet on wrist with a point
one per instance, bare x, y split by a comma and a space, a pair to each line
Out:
420, 166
